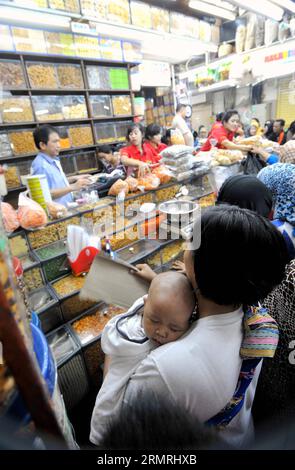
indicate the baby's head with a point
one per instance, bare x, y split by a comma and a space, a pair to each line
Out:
168, 307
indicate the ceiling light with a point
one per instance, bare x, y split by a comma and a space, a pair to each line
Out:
211, 10
222, 4
262, 7
32, 17
287, 4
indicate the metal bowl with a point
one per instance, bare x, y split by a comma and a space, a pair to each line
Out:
182, 209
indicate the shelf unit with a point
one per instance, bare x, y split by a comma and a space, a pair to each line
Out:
86, 92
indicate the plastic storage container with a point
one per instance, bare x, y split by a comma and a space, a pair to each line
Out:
11, 74
53, 259
72, 374
12, 177
121, 130
86, 162
68, 163
5, 148
48, 108
43, 237
22, 142
87, 46
81, 135
62, 226
15, 109
74, 107
165, 194
98, 77
111, 49
45, 305
160, 19
119, 78
69, 76
67, 290
94, 8
138, 251
171, 250
29, 40
6, 38
100, 106
118, 11
33, 277
65, 141
88, 328
105, 132
121, 105
53, 43
141, 15
18, 244
65, 5
42, 75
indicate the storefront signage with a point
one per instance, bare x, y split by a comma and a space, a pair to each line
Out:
285, 55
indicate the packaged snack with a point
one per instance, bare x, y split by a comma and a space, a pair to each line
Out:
118, 187
132, 183
9, 216
30, 213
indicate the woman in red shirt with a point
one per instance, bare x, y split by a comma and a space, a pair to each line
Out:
138, 151
153, 139
224, 134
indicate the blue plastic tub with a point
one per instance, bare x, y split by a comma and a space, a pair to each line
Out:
17, 408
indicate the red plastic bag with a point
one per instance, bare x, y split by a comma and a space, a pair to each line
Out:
30, 213
9, 216
132, 183
149, 182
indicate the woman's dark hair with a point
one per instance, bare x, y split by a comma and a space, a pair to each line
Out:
246, 192
292, 128
229, 114
42, 134
241, 258
269, 125
152, 130
105, 149
133, 126
166, 137
201, 127
152, 421
219, 117
257, 120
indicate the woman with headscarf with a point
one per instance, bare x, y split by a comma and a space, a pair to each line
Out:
246, 192
280, 179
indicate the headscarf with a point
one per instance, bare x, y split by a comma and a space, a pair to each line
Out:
246, 192
280, 179
287, 152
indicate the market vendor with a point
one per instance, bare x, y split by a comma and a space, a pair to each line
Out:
222, 136
47, 163
138, 152
153, 136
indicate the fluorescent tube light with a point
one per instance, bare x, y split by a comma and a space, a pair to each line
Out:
211, 10
262, 7
287, 4
222, 4
32, 17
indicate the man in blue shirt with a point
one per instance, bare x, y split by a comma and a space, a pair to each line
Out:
47, 163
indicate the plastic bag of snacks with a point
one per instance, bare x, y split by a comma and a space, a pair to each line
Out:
30, 213
9, 216
118, 187
55, 210
132, 184
162, 173
149, 182
177, 137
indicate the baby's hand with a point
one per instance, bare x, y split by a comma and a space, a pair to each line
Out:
179, 266
145, 272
